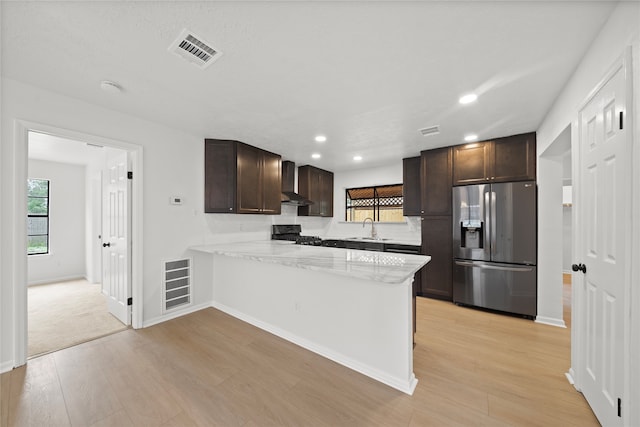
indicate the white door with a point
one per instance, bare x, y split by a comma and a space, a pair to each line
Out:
116, 269
603, 242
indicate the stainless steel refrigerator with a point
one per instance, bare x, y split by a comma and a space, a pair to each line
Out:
494, 246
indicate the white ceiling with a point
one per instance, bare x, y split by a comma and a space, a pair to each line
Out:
62, 150
368, 75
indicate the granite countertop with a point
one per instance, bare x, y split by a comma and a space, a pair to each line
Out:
382, 267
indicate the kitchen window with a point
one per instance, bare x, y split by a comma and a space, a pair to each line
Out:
37, 216
381, 203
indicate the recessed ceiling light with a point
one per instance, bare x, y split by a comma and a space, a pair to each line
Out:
470, 137
321, 138
357, 158
109, 86
468, 98
316, 155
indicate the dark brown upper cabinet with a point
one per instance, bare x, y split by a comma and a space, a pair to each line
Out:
240, 178
411, 194
514, 158
435, 172
472, 163
316, 185
511, 158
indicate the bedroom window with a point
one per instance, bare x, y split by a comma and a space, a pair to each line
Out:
37, 216
382, 203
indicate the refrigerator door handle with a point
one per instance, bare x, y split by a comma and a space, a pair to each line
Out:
493, 223
492, 267
488, 239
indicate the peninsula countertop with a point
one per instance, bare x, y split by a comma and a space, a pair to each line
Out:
391, 268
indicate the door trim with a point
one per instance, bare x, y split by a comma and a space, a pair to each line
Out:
631, 301
20, 151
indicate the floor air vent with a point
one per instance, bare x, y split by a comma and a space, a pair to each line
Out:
177, 284
194, 49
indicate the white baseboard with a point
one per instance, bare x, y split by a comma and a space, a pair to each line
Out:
6, 366
406, 386
55, 280
569, 378
175, 314
571, 375
551, 321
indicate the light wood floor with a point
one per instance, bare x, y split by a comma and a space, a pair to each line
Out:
209, 369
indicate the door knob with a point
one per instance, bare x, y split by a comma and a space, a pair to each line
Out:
579, 267
106, 245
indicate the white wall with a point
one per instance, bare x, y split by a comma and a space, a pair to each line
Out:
567, 230
172, 166
384, 175
66, 257
621, 31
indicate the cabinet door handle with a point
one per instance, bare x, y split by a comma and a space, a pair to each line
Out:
106, 245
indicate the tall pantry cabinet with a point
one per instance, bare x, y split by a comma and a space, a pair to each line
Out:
436, 209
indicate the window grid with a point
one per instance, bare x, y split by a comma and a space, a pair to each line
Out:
38, 216
381, 203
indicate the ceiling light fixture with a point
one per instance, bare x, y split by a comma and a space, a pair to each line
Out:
316, 156
470, 137
321, 138
468, 98
357, 158
111, 87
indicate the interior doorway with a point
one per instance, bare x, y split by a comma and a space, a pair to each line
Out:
554, 171
66, 299
567, 234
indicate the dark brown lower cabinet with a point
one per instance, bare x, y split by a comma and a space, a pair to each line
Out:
437, 243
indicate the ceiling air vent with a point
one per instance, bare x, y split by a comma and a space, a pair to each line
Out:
431, 130
194, 49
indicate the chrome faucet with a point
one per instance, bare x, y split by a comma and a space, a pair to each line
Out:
374, 234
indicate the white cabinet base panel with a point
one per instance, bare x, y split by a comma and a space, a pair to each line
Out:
363, 325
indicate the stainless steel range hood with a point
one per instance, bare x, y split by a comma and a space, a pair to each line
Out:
289, 196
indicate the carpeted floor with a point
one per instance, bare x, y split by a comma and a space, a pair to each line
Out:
65, 314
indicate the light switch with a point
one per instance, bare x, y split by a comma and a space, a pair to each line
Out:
175, 200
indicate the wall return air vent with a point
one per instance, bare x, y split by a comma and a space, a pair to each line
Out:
194, 49
177, 284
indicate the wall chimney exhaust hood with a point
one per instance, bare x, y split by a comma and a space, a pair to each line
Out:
289, 196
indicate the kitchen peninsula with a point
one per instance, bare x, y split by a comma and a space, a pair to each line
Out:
351, 306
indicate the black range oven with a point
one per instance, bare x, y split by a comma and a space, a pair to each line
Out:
291, 232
